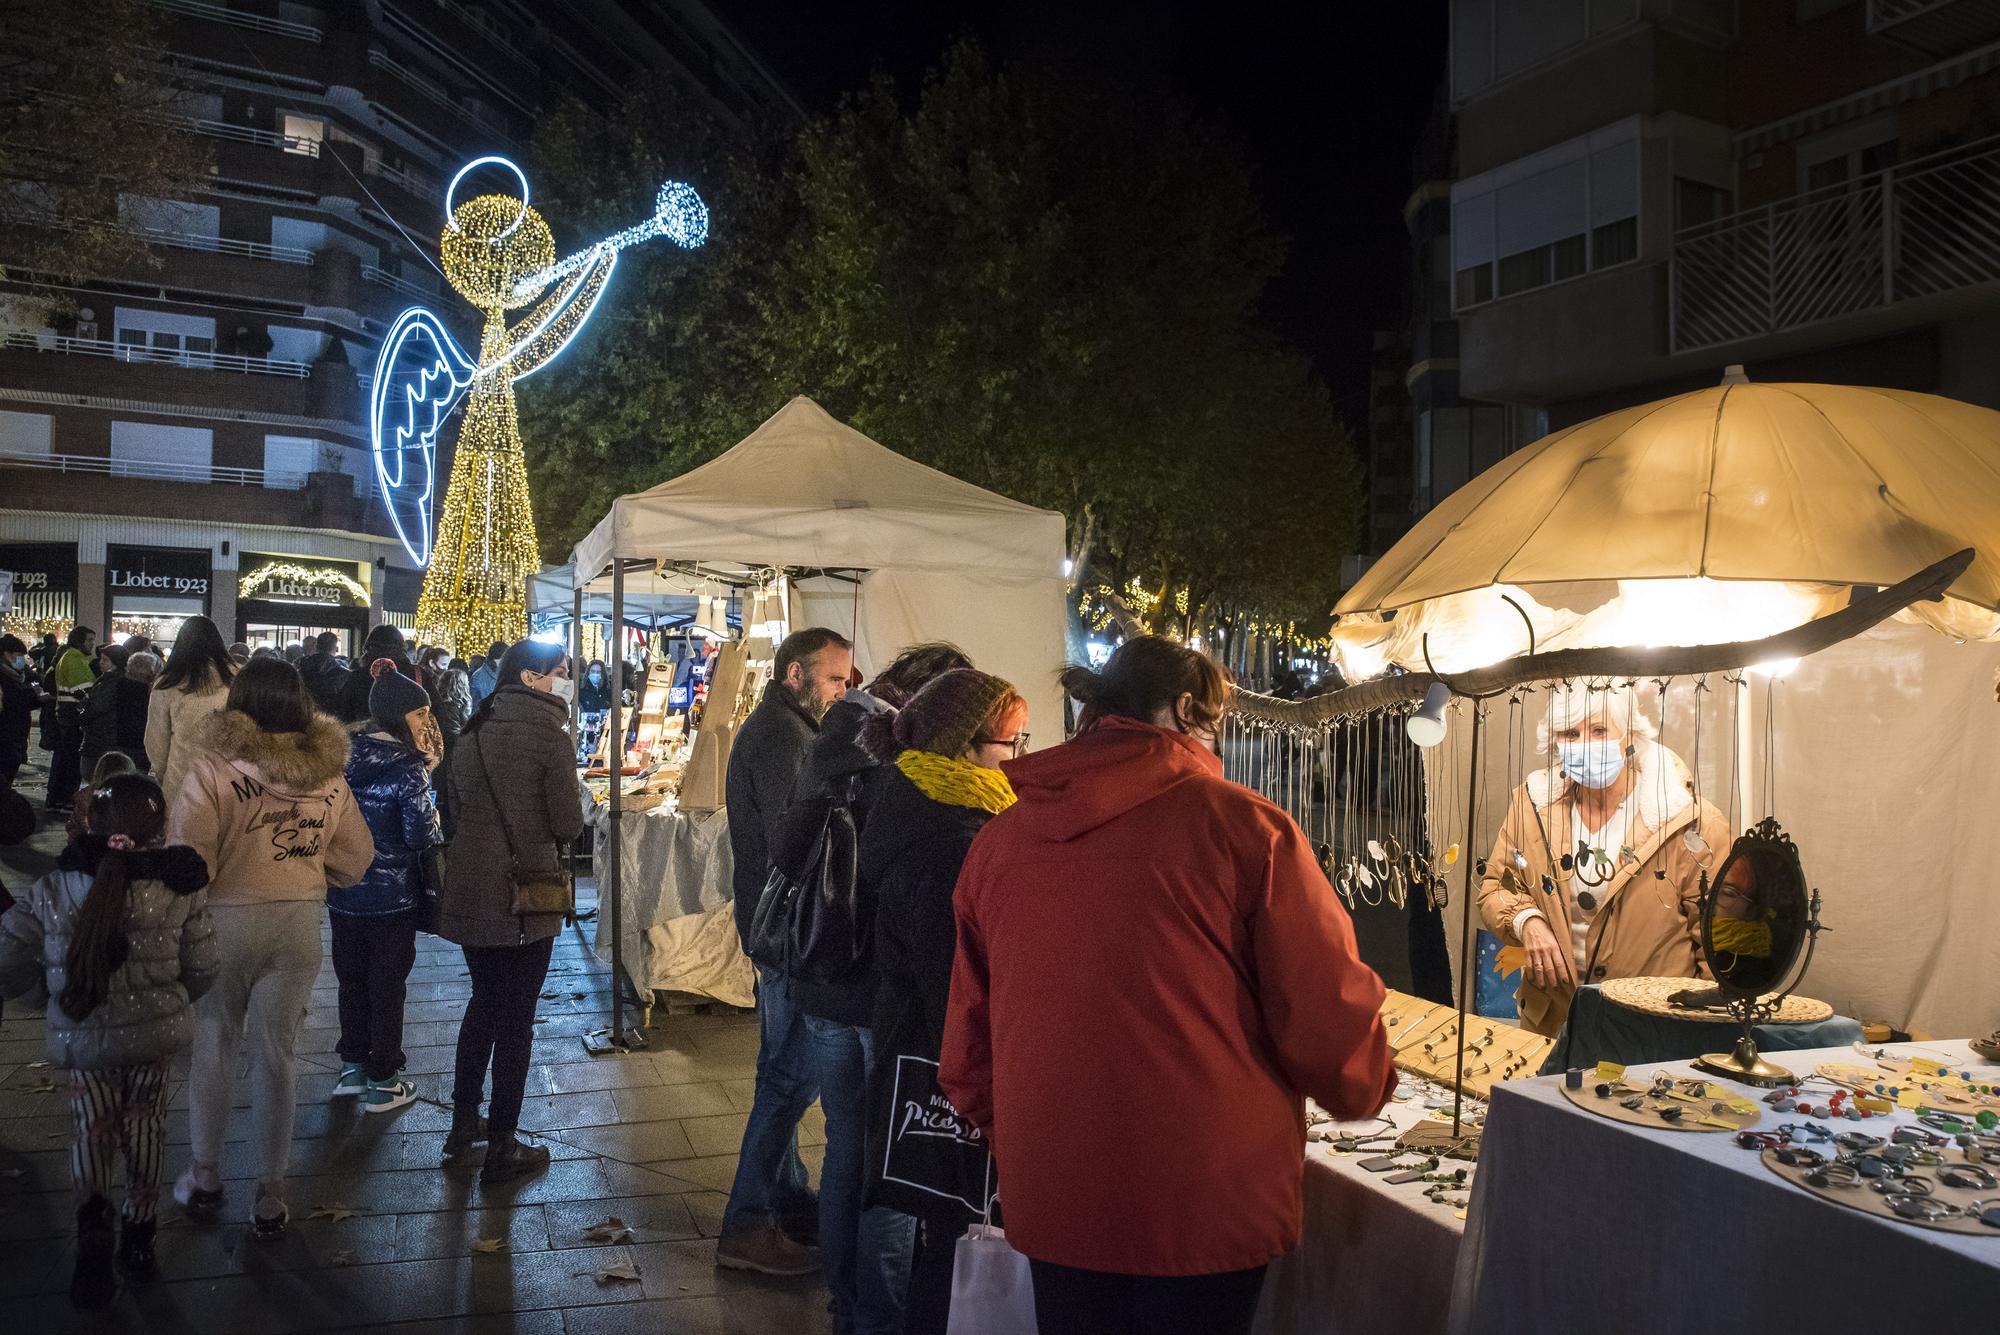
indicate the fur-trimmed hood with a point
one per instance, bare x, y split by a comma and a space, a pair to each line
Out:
299, 764
1661, 795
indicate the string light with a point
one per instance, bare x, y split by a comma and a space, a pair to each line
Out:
313, 576
498, 254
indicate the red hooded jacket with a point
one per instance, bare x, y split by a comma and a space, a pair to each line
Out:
1151, 971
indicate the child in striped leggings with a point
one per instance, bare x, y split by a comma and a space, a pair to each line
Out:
118, 955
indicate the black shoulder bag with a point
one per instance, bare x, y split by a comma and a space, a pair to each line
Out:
810, 922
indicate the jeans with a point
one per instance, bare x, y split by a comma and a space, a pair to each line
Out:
268, 958
769, 1173
372, 956
499, 1027
66, 757
1092, 1302
866, 1252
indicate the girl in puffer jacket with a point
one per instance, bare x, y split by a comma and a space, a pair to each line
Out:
119, 955
375, 920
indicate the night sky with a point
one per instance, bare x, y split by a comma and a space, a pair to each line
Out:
1326, 98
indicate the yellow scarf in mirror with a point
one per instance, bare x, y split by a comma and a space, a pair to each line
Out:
955, 782
1742, 938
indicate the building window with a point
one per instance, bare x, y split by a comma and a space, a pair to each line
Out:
1614, 243
1551, 216
26, 435
1696, 202
165, 336
151, 449
303, 134
1475, 285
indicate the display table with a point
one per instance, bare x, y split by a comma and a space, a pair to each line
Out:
1605, 1031
676, 864
1580, 1223
1374, 1257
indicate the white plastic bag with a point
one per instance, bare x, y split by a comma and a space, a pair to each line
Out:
992, 1289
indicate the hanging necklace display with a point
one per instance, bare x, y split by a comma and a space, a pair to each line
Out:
1691, 837
1343, 833
1660, 781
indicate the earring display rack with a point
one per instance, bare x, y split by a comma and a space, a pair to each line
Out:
1423, 1036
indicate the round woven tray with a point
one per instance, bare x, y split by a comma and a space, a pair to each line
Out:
1649, 996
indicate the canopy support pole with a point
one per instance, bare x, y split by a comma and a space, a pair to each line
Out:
1466, 947
614, 755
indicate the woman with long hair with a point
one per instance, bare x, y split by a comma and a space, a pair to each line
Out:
119, 952
193, 687
513, 785
266, 806
1137, 932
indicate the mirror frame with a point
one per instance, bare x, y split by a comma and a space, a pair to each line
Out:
1769, 847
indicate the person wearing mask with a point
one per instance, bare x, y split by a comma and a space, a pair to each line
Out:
866, 1253
265, 805
17, 708
193, 688
513, 785
937, 783
771, 1201
486, 673
1623, 808
350, 705
135, 704
1143, 947
101, 707
594, 696
374, 921
118, 953
324, 671
71, 681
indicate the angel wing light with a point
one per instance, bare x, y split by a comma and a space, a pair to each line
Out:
498, 255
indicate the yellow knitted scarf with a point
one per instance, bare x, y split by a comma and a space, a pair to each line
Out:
1742, 938
955, 782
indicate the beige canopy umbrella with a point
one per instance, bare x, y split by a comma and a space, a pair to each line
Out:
1795, 483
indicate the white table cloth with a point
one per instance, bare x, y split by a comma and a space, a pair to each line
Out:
1581, 1223
1374, 1257
675, 863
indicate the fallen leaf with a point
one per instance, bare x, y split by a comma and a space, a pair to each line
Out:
612, 1229
336, 1212
625, 1273
341, 1258
541, 1019
37, 1066
489, 1246
577, 996
549, 996
42, 1086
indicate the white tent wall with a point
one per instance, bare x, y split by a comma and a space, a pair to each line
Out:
1884, 779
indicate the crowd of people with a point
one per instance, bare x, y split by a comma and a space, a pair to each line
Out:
1099, 977
232, 799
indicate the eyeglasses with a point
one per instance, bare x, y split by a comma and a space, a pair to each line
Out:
1019, 742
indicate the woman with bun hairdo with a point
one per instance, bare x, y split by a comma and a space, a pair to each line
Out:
1144, 946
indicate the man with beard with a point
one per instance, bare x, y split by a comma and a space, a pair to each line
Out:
770, 1204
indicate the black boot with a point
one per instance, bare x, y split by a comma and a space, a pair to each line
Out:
92, 1285
509, 1159
135, 1248
468, 1128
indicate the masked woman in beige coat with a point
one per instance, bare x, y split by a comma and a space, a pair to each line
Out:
1620, 810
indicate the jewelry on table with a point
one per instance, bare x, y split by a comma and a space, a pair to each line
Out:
1968, 1177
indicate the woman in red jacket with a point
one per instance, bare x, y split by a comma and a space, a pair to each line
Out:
1151, 972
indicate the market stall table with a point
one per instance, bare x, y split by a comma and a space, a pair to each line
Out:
1374, 1257
1578, 1222
677, 864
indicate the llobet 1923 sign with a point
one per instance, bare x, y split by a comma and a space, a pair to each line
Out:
293, 579
157, 572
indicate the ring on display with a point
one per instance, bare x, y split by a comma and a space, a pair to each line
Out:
1968, 1177
1907, 1186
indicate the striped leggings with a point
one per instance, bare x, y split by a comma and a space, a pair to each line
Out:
122, 1110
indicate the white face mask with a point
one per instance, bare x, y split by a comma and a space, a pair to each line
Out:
562, 688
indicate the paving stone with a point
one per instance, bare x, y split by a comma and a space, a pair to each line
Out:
451, 1233
652, 1219
707, 1099
686, 1316
601, 1073
631, 1142
716, 1135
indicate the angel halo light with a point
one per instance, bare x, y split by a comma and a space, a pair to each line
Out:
498, 254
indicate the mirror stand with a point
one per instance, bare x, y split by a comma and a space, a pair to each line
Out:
1744, 1063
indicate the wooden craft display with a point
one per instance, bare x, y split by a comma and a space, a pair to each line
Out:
1423, 1036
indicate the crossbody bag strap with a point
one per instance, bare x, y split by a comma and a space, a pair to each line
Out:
486, 777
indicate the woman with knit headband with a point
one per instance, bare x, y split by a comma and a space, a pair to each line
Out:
940, 784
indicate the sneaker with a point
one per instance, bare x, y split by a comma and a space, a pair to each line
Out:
270, 1218
352, 1081
197, 1201
135, 1248
91, 1283
767, 1251
387, 1095
511, 1159
467, 1129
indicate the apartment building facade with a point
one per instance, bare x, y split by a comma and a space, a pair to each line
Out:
193, 437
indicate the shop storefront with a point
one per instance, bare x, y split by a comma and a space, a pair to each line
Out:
285, 600
151, 590
44, 588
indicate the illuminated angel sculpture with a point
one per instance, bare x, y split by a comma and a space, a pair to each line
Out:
498, 255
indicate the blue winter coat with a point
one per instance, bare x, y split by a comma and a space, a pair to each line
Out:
393, 790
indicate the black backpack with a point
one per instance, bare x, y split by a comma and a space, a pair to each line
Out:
811, 922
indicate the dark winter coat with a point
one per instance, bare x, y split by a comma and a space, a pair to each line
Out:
836, 758
512, 778
593, 699
393, 790
114, 719
324, 675
451, 703
764, 766
17, 712
911, 854
147, 1012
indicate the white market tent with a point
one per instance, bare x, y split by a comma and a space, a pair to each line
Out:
936, 558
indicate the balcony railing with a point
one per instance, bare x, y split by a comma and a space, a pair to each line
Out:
305, 32
423, 187
1921, 229
247, 134
152, 468
417, 83
50, 341
383, 278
